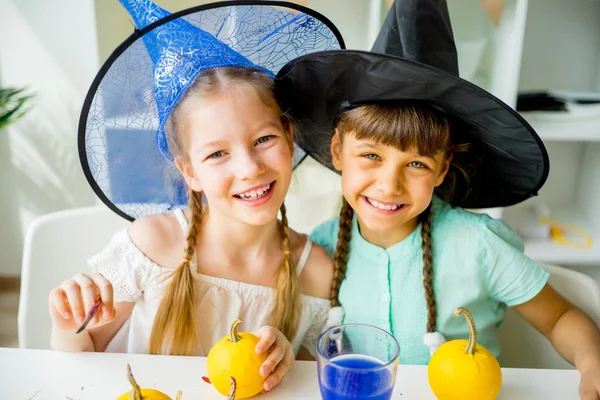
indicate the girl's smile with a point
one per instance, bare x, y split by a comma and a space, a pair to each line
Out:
257, 195
382, 207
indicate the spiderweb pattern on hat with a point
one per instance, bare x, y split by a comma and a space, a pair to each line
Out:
122, 146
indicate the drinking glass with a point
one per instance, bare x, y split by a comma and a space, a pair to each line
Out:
357, 361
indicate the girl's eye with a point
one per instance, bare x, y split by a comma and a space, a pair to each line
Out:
217, 154
264, 139
417, 164
372, 156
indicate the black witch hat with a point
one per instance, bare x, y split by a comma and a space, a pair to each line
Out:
414, 59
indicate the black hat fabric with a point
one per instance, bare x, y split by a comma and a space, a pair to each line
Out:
414, 59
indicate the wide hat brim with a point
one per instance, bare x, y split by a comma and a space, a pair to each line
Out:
313, 89
119, 137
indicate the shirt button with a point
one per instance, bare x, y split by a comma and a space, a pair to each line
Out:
386, 297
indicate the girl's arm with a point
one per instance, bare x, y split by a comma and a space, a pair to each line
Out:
315, 280
102, 336
572, 333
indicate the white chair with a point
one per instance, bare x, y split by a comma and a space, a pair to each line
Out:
56, 247
522, 346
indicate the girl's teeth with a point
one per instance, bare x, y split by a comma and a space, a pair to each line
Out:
254, 194
388, 207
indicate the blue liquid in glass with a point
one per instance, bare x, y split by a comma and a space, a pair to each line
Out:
353, 384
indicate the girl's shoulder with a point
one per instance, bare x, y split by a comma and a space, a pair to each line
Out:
134, 259
159, 237
316, 265
455, 224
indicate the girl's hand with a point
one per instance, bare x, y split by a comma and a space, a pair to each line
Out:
589, 388
280, 358
70, 302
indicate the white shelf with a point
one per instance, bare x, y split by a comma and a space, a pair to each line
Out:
587, 130
561, 254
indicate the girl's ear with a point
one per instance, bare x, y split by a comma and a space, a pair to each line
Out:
289, 135
188, 174
444, 171
336, 151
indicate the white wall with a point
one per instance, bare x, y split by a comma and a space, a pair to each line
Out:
562, 45
352, 20
114, 24
589, 187
49, 46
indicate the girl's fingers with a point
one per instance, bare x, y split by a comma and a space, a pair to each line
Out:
96, 318
89, 293
106, 294
75, 300
274, 358
279, 372
267, 336
59, 303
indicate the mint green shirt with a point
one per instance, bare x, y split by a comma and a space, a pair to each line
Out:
478, 263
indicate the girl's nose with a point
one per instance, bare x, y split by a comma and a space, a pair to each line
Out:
389, 182
249, 167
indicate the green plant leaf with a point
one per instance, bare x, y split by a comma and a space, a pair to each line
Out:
12, 101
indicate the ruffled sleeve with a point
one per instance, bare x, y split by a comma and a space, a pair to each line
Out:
319, 313
125, 266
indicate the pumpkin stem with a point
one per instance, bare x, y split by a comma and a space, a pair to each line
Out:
136, 391
472, 328
233, 335
232, 390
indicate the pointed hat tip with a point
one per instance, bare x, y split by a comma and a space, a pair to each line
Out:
144, 12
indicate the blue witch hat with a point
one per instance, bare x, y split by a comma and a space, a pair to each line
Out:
122, 144
179, 52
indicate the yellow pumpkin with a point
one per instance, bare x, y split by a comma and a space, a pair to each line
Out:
234, 356
464, 370
138, 393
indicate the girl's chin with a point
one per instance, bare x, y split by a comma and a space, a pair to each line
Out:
262, 215
381, 222
257, 220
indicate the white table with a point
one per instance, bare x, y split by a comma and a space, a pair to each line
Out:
46, 374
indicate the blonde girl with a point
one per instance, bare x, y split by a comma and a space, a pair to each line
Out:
175, 280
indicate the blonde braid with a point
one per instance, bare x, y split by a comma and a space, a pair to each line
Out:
175, 320
287, 306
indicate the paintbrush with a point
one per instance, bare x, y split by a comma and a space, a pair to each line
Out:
90, 315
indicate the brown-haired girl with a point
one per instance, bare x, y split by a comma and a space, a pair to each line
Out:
415, 146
